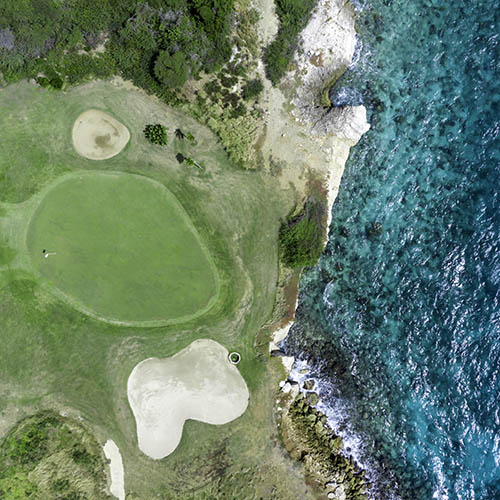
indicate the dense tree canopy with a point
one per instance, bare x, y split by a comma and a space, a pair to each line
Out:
157, 44
156, 134
171, 70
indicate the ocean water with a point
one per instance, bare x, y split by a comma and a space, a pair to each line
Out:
402, 326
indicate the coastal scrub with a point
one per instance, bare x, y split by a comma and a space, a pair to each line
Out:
301, 235
293, 16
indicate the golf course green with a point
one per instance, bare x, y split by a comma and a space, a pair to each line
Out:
121, 248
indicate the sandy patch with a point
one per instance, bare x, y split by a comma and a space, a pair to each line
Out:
113, 454
268, 24
98, 136
197, 383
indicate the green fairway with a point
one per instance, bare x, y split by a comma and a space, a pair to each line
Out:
125, 209
120, 247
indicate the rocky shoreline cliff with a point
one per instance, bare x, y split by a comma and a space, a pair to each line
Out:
313, 139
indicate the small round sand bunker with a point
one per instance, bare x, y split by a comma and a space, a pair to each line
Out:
98, 136
197, 383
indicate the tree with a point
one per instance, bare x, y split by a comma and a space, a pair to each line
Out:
179, 134
252, 89
156, 134
192, 163
171, 71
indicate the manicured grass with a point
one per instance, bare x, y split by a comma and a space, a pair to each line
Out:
54, 356
125, 250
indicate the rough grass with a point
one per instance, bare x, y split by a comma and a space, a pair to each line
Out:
125, 249
49, 456
54, 356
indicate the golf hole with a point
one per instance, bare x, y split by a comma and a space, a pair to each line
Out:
234, 358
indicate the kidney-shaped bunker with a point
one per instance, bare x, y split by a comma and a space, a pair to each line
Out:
197, 383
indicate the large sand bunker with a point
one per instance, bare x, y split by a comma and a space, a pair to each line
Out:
197, 383
98, 136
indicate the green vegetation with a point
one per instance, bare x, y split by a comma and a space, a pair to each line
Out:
55, 356
133, 239
49, 456
293, 16
156, 134
156, 44
171, 70
223, 109
252, 89
308, 438
302, 235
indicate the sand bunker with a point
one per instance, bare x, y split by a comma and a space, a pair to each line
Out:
98, 136
112, 453
197, 383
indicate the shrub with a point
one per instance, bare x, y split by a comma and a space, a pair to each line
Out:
252, 89
240, 110
156, 134
191, 139
57, 83
43, 82
301, 236
293, 16
228, 81
155, 44
81, 456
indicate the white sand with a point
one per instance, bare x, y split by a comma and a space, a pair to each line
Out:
197, 383
98, 136
113, 454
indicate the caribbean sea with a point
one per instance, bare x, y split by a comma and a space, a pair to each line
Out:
400, 319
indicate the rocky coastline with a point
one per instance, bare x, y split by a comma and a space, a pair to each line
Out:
313, 139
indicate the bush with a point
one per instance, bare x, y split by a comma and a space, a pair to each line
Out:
81, 456
240, 110
301, 237
156, 134
156, 44
293, 16
57, 83
252, 89
43, 82
228, 81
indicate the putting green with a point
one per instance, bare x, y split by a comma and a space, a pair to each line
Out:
121, 248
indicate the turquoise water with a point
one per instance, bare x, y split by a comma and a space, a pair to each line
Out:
403, 327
